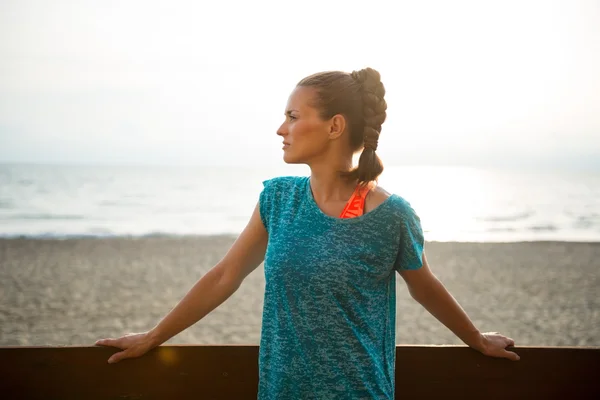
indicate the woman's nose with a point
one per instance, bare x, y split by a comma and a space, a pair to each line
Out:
282, 131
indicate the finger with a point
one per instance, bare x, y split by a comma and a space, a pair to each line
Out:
106, 342
511, 355
115, 358
510, 341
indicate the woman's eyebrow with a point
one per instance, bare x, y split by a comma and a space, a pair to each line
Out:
288, 112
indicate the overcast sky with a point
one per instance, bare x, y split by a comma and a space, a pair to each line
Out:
198, 82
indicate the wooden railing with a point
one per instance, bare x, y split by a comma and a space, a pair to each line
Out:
231, 373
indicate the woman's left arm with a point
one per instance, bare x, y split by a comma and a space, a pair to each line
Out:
427, 290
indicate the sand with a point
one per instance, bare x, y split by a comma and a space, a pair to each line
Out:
74, 291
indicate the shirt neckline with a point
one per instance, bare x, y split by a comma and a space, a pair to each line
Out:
315, 207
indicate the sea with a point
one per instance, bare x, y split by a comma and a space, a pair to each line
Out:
460, 204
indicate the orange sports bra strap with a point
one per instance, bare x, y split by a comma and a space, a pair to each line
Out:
356, 205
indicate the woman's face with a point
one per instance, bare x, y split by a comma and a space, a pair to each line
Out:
304, 133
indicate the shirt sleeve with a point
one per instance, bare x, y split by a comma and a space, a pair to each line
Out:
410, 251
265, 201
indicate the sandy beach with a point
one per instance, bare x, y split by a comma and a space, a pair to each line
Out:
74, 291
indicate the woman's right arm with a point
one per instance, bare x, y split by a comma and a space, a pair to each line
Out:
216, 286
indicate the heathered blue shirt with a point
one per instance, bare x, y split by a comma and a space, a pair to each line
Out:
329, 317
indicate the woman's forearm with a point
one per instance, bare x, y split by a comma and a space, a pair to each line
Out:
207, 294
442, 305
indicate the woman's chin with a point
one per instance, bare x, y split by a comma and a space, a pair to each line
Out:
288, 159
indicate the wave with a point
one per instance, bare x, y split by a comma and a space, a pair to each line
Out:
108, 203
44, 217
111, 235
506, 218
544, 228
492, 230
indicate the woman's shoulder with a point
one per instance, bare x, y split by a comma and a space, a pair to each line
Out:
281, 187
379, 195
279, 192
376, 197
283, 181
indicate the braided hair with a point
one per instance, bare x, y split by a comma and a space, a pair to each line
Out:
359, 97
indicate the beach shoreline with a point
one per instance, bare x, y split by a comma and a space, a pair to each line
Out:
73, 291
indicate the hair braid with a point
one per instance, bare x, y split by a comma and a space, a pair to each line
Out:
374, 114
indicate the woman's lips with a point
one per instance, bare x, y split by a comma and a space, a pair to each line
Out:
285, 145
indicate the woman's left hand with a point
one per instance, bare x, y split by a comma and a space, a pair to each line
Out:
495, 344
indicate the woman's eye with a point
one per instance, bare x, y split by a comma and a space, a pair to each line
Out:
292, 118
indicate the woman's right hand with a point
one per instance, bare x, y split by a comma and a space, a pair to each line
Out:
132, 344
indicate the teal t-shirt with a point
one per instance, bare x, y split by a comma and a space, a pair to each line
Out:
329, 317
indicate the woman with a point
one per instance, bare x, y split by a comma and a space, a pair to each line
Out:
329, 309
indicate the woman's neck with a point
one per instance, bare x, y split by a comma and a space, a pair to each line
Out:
327, 185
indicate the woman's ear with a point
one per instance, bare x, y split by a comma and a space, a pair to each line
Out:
337, 126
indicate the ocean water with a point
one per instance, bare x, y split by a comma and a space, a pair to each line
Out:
454, 203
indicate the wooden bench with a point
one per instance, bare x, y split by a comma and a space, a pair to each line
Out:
231, 373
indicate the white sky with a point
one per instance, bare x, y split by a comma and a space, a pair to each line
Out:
190, 82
